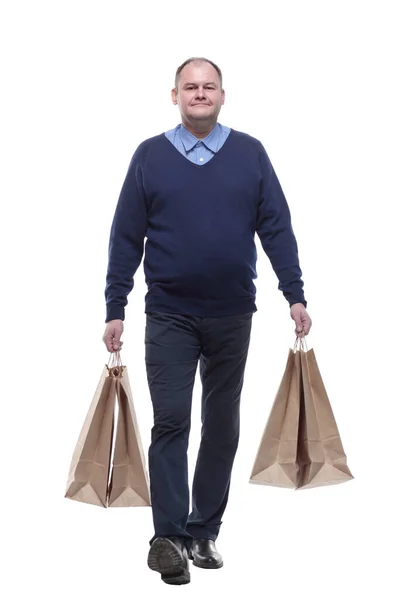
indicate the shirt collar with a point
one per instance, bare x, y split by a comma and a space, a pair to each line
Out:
189, 140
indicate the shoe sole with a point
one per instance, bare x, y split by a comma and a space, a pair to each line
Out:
205, 566
166, 559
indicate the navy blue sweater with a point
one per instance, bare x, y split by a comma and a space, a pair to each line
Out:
200, 222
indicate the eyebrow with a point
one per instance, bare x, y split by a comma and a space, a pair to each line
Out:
209, 83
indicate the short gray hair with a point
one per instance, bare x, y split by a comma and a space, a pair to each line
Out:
196, 59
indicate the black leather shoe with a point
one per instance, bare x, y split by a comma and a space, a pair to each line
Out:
204, 554
169, 557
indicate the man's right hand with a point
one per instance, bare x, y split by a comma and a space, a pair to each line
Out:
112, 335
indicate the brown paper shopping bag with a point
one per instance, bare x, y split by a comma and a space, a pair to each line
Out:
89, 477
275, 462
321, 457
129, 484
90, 465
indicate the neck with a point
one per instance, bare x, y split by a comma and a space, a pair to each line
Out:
200, 130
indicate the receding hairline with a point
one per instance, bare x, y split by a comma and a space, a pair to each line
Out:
198, 61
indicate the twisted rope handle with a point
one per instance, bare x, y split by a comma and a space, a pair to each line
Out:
301, 342
114, 360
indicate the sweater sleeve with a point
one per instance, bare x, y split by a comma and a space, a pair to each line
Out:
274, 229
126, 243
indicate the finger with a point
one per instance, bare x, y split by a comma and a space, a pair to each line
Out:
107, 342
117, 344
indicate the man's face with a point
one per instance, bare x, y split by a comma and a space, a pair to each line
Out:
199, 95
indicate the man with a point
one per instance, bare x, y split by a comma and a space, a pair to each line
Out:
198, 193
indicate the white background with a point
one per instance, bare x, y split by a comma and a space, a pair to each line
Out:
83, 83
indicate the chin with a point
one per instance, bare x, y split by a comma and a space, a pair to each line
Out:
201, 114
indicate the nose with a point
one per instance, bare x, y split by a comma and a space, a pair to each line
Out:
200, 93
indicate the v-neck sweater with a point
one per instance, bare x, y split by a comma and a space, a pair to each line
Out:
199, 223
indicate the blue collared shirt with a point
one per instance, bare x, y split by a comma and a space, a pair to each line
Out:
196, 150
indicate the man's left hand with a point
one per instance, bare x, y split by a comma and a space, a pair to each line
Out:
302, 319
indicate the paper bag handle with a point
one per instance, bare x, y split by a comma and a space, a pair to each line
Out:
115, 363
302, 342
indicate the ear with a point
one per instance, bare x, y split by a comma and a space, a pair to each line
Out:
222, 96
174, 94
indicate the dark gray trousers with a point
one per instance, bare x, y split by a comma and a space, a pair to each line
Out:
174, 344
